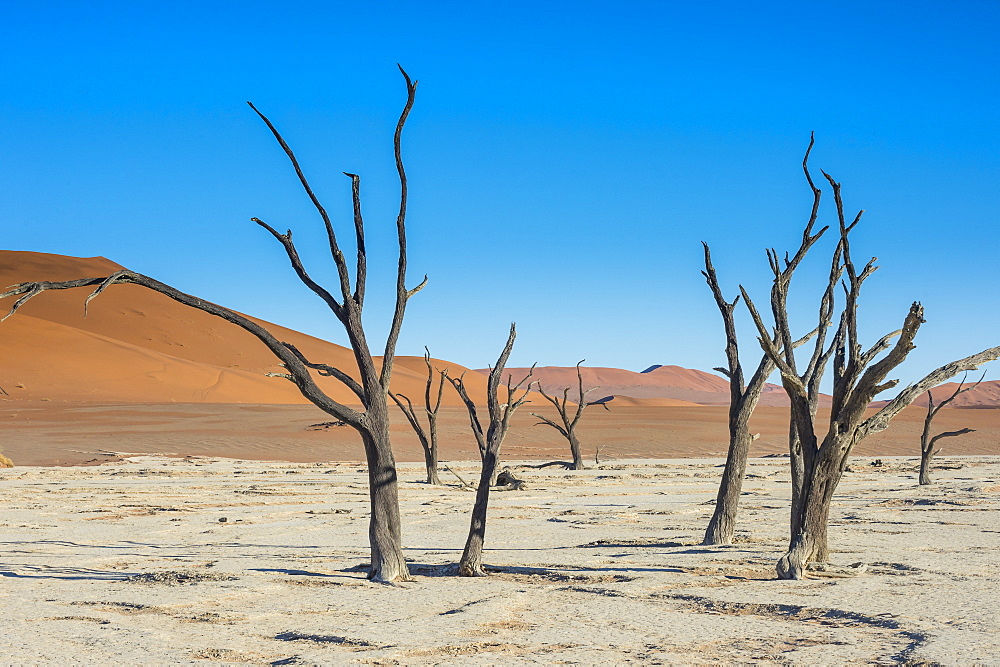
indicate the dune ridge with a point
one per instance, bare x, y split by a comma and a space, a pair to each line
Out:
135, 345
986, 395
656, 382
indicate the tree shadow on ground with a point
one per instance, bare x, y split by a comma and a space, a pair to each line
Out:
24, 571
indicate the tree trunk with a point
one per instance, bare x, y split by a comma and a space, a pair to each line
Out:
821, 552
430, 460
430, 452
384, 528
798, 473
925, 466
723, 523
471, 564
809, 541
574, 448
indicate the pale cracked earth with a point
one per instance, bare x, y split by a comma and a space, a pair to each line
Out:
201, 561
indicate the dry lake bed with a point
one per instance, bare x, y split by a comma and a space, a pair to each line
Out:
205, 560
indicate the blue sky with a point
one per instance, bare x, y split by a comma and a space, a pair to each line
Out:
566, 159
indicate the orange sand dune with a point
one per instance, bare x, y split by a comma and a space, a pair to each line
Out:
632, 402
673, 382
138, 345
986, 395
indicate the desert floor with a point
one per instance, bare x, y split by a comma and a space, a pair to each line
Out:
184, 560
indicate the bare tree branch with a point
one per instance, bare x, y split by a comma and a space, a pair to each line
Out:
361, 274
329, 371
880, 420
293, 257
402, 294
948, 434
286, 239
477, 427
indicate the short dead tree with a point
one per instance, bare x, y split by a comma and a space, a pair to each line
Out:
570, 418
859, 375
371, 423
428, 437
489, 441
743, 398
927, 442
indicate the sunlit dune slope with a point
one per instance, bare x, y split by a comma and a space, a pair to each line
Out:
986, 395
137, 345
660, 382
632, 402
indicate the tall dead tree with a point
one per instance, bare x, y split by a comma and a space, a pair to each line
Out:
428, 437
569, 421
371, 389
859, 375
743, 398
489, 441
811, 375
927, 442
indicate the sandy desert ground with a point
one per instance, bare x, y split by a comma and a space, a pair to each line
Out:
210, 560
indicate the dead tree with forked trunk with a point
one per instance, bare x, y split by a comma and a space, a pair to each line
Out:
569, 422
489, 441
428, 437
371, 389
859, 375
743, 398
811, 375
927, 451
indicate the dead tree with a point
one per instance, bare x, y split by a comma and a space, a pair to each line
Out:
371, 389
428, 437
859, 375
743, 398
927, 451
489, 441
569, 422
812, 375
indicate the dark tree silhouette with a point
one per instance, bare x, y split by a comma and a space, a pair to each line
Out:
859, 375
428, 437
570, 418
372, 423
743, 398
927, 442
489, 441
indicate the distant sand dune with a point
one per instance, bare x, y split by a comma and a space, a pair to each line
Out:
631, 401
986, 395
671, 382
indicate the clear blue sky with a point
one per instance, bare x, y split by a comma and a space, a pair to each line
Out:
566, 159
